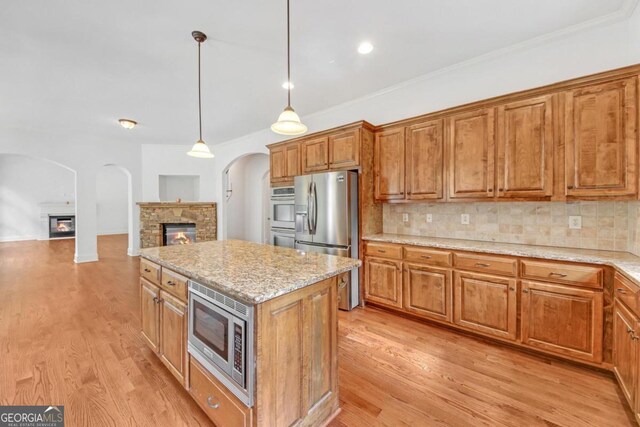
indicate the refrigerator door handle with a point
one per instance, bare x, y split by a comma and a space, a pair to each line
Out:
309, 209
314, 197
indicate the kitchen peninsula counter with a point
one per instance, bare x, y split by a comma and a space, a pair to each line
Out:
250, 272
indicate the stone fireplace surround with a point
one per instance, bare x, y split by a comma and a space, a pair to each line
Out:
154, 214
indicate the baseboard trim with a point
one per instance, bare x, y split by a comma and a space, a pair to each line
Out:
17, 238
112, 232
133, 252
79, 259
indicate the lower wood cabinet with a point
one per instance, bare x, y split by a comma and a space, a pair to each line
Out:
383, 281
562, 319
149, 313
428, 291
486, 304
625, 352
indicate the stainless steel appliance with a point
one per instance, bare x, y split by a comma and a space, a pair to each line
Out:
284, 237
326, 208
221, 338
282, 217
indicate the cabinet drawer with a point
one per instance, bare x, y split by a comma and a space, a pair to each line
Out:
222, 407
384, 250
174, 283
486, 264
150, 271
428, 256
627, 292
571, 274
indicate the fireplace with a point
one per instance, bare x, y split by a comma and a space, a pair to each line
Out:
62, 226
178, 234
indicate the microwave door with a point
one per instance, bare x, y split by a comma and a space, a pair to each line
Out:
212, 329
303, 229
330, 209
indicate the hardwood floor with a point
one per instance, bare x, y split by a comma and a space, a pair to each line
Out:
69, 335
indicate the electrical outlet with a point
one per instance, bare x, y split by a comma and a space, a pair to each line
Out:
405, 217
464, 219
429, 218
575, 222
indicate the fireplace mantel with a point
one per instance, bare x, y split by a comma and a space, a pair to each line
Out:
175, 204
154, 214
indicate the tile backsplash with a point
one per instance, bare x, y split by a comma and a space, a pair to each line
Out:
605, 225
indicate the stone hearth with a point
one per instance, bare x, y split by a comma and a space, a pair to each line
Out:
154, 214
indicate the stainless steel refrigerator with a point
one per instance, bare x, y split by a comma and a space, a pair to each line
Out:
326, 214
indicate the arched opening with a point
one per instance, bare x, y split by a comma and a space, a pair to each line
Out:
35, 193
114, 210
245, 198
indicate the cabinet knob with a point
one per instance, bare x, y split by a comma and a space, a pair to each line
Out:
171, 283
629, 330
512, 288
635, 337
525, 291
146, 270
155, 299
570, 187
211, 404
621, 290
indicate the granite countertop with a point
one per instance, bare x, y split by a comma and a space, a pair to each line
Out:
625, 262
250, 272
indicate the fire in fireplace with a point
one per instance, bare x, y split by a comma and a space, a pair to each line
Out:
178, 234
62, 226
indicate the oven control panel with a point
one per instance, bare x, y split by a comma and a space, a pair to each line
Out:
237, 348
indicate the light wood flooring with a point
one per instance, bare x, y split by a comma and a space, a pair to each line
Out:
69, 336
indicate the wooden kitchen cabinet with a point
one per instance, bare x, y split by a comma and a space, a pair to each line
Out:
388, 164
486, 304
284, 163
625, 352
525, 139
344, 149
562, 319
173, 335
315, 155
601, 139
424, 160
428, 291
383, 281
471, 152
150, 313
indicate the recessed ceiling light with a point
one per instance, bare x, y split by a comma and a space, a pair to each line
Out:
288, 85
365, 48
127, 124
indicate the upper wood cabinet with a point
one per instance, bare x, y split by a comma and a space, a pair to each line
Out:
601, 139
424, 158
471, 152
388, 164
315, 155
344, 149
525, 135
284, 163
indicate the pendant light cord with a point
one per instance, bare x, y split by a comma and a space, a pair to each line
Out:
288, 59
200, 94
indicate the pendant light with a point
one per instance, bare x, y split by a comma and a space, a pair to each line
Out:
288, 122
200, 149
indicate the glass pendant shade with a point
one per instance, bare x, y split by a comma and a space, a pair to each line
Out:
288, 123
200, 150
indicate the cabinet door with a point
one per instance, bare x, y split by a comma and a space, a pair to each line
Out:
486, 304
344, 150
625, 351
149, 313
471, 152
278, 164
427, 291
292, 160
525, 148
562, 319
388, 165
315, 155
383, 281
424, 161
173, 335
601, 139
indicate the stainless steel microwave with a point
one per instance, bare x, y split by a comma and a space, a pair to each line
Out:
221, 338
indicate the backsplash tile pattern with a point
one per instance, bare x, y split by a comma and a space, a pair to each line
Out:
605, 225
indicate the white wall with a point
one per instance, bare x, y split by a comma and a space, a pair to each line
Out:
24, 184
111, 198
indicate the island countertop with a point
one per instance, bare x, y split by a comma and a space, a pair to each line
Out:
250, 272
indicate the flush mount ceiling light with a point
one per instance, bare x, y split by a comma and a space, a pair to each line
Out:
288, 122
288, 85
200, 149
127, 124
365, 48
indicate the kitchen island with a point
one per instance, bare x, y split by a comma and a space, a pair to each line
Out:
282, 349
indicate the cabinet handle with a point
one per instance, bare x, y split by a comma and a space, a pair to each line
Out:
500, 189
512, 288
525, 291
382, 251
570, 187
621, 290
170, 283
211, 404
629, 330
425, 256
155, 299
481, 264
146, 270
557, 274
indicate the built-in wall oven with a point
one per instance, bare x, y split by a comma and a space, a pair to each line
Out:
221, 339
283, 221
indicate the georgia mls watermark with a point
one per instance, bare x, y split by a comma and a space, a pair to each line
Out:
31, 416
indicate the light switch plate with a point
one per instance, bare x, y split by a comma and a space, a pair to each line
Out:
464, 219
405, 217
429, 218
575, 222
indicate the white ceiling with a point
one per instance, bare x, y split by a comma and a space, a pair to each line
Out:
69, 65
